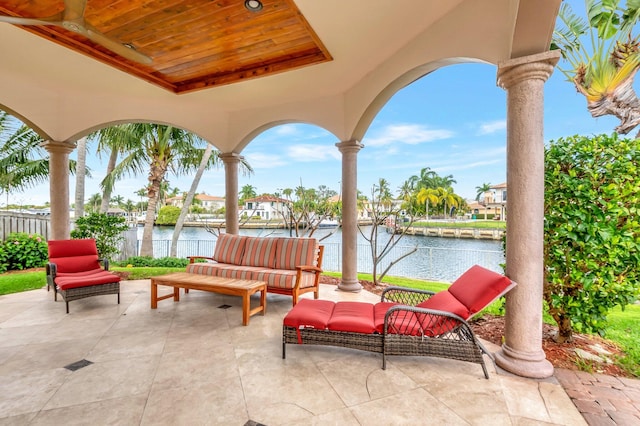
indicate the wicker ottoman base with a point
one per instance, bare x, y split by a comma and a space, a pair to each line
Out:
88, 291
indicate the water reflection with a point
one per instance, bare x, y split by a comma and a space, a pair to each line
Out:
441, 259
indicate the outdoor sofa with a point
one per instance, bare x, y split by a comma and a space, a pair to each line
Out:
289, 266
405, 322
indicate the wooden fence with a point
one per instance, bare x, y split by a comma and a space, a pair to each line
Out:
23, 222
39, 224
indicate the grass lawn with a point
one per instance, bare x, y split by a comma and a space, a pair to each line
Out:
624, 329
17, 281
143, 273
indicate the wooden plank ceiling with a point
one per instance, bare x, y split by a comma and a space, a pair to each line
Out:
192, 44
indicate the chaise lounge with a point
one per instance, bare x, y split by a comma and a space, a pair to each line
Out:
405, 322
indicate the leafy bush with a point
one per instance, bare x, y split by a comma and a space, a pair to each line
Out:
150, 262
3, 260
105, 229
23, 251
168, 215
592, 232
136, 261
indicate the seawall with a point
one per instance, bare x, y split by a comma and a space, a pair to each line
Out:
473, 233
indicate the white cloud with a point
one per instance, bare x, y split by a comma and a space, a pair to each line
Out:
308, 153
492, 127
411, 134
287, 129
259, 160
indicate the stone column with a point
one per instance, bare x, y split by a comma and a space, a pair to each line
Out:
349, 150
59, 188
523, 79
231, 160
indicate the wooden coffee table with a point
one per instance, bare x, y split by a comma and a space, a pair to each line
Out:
229, 286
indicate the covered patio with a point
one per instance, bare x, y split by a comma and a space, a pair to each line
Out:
192, 363
334, 65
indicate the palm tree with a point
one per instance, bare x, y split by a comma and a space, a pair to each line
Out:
23, 161
188, 199
480, 191
110, 140
423, 180
426, 197
142, 192
382, 192
118, 200
603, 66
447, 196
246, 192
81, 148
209, 159
405, 190
94, 202
129, 206
158, 149
443, 181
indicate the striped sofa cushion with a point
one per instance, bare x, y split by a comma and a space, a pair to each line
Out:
239, 272
285, 278
292, 252
203, 268
229, 248
259, 252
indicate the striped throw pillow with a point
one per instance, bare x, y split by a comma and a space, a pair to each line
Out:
259, 252
229, 248
292, 252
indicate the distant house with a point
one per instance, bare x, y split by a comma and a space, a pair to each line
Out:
478, 209
116, 211
366, 211
266, 207
208, 202
495, 200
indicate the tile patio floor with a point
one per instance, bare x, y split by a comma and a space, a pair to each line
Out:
192, 363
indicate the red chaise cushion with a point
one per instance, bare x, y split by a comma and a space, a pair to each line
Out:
310, 313
478, 287
433, 325
69, 281
74, 255
356, 317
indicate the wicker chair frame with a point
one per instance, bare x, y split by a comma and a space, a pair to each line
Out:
455, 339
80, 292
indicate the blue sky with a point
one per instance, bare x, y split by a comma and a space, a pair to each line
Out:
452, 121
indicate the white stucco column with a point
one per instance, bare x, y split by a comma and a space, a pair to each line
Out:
59, 188
523, 79
349, 150
231, 160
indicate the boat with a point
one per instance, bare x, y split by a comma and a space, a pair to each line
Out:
328, 223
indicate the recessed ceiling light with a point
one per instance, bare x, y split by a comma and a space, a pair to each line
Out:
253, 5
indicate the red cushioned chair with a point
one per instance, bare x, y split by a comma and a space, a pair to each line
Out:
75, 272
405, 322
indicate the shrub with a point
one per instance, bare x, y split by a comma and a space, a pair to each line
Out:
592, 233
3, 260
150, 262
105, 229
136, 261
23, 251
168, 215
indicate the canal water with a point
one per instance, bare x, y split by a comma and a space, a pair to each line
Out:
440, 259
